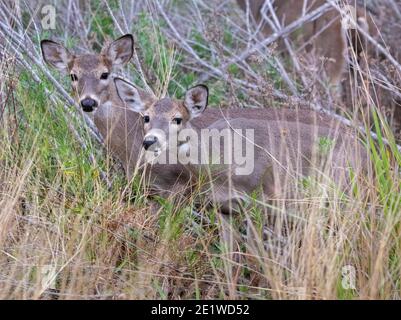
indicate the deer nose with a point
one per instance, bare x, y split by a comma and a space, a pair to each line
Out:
148, 142
88, 104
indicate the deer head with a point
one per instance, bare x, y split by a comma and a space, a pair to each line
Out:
89, 73
165, 117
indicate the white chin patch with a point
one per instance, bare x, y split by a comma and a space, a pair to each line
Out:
104, 110
157, 149
154, 153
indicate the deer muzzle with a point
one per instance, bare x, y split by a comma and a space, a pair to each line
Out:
88, 104
149, 141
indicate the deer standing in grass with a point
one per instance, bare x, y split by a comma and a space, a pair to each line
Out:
284, 148
324, 37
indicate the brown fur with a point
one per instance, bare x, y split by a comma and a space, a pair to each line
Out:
380, 77
322, 38
287, 152
291, 137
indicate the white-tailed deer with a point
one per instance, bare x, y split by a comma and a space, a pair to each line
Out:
283, 146
94, 88
121, 128
324, 37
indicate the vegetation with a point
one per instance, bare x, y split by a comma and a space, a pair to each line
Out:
65, 234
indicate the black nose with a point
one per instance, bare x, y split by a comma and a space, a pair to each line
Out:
148, 142
88, 104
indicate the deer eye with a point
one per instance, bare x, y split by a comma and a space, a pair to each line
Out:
177, 120
146, 119
73, 77
104, 76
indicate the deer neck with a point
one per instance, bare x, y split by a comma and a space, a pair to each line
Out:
110, 104
120, 127
191, 148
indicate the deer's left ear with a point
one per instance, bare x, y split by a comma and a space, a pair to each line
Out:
196, 100
135, 99
120, 51
56, 55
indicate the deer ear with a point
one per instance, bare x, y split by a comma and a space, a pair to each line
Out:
196, 100
134, 98
120, 51
56, 55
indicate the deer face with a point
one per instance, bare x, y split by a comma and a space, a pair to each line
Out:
89, 73
165, 118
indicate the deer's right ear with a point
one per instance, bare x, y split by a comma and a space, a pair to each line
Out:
120, 51
136, 99
55, 55
196, 100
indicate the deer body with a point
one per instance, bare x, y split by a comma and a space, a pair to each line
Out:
120, 130
286, 143
285, 153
